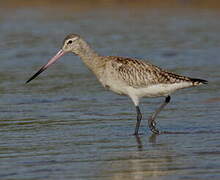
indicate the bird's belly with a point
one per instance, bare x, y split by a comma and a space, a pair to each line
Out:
114, 85
158, 90
149, 91
117, 89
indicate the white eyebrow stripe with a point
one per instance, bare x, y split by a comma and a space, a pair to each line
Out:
75, 38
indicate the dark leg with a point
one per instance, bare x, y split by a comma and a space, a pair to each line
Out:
139, 117
151, 120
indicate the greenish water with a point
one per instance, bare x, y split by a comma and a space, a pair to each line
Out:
64, 125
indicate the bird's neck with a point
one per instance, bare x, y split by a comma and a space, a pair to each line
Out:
88, 55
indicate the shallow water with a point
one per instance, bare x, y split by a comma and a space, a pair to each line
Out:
64, 125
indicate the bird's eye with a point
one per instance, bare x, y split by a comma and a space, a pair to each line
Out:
69, 42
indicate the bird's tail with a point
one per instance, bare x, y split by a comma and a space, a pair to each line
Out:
196, 82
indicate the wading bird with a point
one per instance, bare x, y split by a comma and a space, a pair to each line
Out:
126, 76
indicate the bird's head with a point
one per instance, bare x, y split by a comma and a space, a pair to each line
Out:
71, 43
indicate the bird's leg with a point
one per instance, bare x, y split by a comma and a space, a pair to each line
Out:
151, 120
139, 117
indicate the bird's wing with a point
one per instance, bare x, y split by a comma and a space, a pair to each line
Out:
137, 73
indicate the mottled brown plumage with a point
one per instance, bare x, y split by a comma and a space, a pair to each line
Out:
139, 73
128, 76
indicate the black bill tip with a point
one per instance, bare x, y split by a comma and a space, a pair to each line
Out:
35, 75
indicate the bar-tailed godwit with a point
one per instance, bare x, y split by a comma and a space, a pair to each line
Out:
126, 76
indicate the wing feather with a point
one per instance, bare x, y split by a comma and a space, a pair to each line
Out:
137, 73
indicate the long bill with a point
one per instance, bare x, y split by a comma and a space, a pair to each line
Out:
50, 62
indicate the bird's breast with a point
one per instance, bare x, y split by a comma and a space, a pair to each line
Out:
114, 85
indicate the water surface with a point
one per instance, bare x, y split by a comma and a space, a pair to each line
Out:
64, 125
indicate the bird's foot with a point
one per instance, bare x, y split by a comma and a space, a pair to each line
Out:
137, 134
152, 126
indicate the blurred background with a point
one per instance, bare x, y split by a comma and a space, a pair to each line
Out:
64, 125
